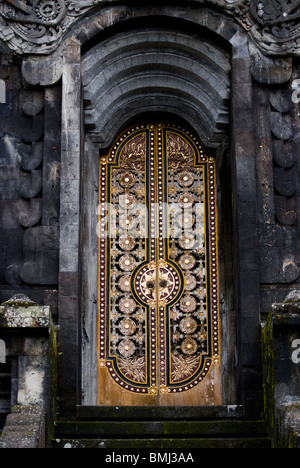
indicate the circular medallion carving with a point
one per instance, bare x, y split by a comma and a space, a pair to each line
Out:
127, 180
188, 325
127, 305
189, 346
186, 221
49, 11
124, 283
127, 327
185, 179
163, 281
188, 304
127, 222
127, 262
126, 348
127, 201
186, 199
187, 261
187, 241
127, 242
190, 282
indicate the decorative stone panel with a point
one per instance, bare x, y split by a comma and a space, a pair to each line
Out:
38, 26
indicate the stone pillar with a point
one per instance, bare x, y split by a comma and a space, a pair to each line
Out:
69, 294
281, 346
245, 235
29, 337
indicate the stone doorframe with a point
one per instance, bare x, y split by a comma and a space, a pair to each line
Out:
76, 385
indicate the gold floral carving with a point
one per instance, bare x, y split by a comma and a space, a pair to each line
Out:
180, 153
133, 369
134, 154
183, 367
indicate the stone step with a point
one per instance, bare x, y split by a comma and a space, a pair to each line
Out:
164, 413
24, 428
159, 443
87, 429
161, 434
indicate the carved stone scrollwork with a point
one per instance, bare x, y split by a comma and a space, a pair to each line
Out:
281, 17
43, 12
273, 24
28, 26
37, 26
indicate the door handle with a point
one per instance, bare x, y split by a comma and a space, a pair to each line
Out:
151, 286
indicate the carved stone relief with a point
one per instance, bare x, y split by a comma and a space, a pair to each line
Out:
277, 168
33, 209
37, 26
285, 176
284, 157
273, 24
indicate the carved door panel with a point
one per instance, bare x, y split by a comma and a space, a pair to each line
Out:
158, 271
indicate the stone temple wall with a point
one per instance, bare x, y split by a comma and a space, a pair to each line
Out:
58, 110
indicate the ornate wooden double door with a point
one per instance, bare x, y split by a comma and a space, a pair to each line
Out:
159, 337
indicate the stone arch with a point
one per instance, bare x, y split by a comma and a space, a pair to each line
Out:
80, 172
153, 69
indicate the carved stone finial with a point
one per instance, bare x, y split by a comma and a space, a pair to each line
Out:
292, 302
20, 300
293, 297
291, 305
22, 312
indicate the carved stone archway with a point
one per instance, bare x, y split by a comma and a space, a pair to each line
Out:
54, 39
144, 71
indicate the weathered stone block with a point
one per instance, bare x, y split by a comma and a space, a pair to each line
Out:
30, 342
25, 428
41, 255
21, 312
282, 371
